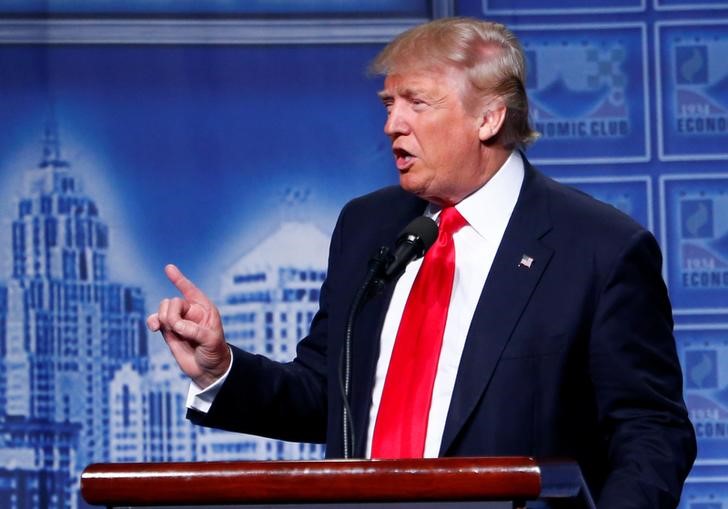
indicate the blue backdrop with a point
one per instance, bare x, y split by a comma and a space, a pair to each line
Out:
205, 133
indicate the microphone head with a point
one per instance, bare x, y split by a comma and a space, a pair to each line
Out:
412, 243
422, 231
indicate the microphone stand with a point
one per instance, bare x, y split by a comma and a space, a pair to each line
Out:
373, 284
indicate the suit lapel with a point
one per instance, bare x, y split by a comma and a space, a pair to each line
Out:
506, 292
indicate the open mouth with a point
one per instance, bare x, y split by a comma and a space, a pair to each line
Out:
402, 158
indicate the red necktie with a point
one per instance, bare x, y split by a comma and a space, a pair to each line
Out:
401, 425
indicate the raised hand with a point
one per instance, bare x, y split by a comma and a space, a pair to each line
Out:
192, 328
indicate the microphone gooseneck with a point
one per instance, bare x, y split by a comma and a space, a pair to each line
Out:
417, 237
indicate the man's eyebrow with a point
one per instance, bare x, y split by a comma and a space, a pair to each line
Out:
404, 92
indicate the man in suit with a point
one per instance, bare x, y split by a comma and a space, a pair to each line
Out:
555, 332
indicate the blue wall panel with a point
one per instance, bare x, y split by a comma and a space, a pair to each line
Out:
206, 143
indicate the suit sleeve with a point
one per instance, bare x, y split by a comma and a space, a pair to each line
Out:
638, 382
286, 401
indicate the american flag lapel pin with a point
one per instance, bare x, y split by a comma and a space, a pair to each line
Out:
526, 261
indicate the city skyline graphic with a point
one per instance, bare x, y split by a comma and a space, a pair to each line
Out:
75, 360
225, 138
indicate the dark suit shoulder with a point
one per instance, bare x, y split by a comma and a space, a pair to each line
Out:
585, 220
390, 197
386, 210
580, 228
585, 211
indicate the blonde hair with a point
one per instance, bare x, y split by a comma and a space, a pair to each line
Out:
488, 53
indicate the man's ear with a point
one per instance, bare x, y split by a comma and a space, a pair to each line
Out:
492, 121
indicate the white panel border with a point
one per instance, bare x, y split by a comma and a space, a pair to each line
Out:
250, 31
688, 6
558, 12
165, 31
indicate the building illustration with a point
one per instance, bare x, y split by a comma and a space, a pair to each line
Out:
67, 329
268, 299
78, 383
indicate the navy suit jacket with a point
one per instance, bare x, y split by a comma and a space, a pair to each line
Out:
572, 357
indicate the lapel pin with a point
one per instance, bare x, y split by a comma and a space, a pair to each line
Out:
526, 261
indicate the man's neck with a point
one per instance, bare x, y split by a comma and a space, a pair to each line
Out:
497, 157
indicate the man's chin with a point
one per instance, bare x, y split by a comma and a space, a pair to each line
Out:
423, 190
411, 185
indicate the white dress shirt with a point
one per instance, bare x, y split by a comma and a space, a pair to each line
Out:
487, 212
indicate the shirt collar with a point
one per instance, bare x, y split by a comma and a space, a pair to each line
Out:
489, 209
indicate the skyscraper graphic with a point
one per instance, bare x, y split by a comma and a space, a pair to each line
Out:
38, 463
77, 382
68, 328
268, 299
148, 411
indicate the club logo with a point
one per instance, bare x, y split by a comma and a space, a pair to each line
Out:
695, 229
590, 103
697, 219
700, 106
693, 90
701, 369
704, 255
704, 358
586, 91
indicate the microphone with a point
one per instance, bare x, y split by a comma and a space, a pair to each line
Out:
413, 242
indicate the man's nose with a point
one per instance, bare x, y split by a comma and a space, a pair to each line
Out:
396, 122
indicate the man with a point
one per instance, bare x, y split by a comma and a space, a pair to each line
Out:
554, 337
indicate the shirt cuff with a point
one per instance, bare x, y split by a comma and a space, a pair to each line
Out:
201, 399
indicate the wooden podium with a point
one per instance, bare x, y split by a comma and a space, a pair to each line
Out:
502, 482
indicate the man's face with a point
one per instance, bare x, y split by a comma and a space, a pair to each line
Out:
435, 141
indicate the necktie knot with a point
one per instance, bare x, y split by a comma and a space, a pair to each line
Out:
451, 221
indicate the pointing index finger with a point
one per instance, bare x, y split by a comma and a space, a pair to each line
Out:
186, 287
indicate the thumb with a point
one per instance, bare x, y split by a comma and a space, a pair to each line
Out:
195, 332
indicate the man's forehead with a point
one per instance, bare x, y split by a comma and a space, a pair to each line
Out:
418, 82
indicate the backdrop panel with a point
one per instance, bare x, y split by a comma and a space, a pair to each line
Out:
227, 140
